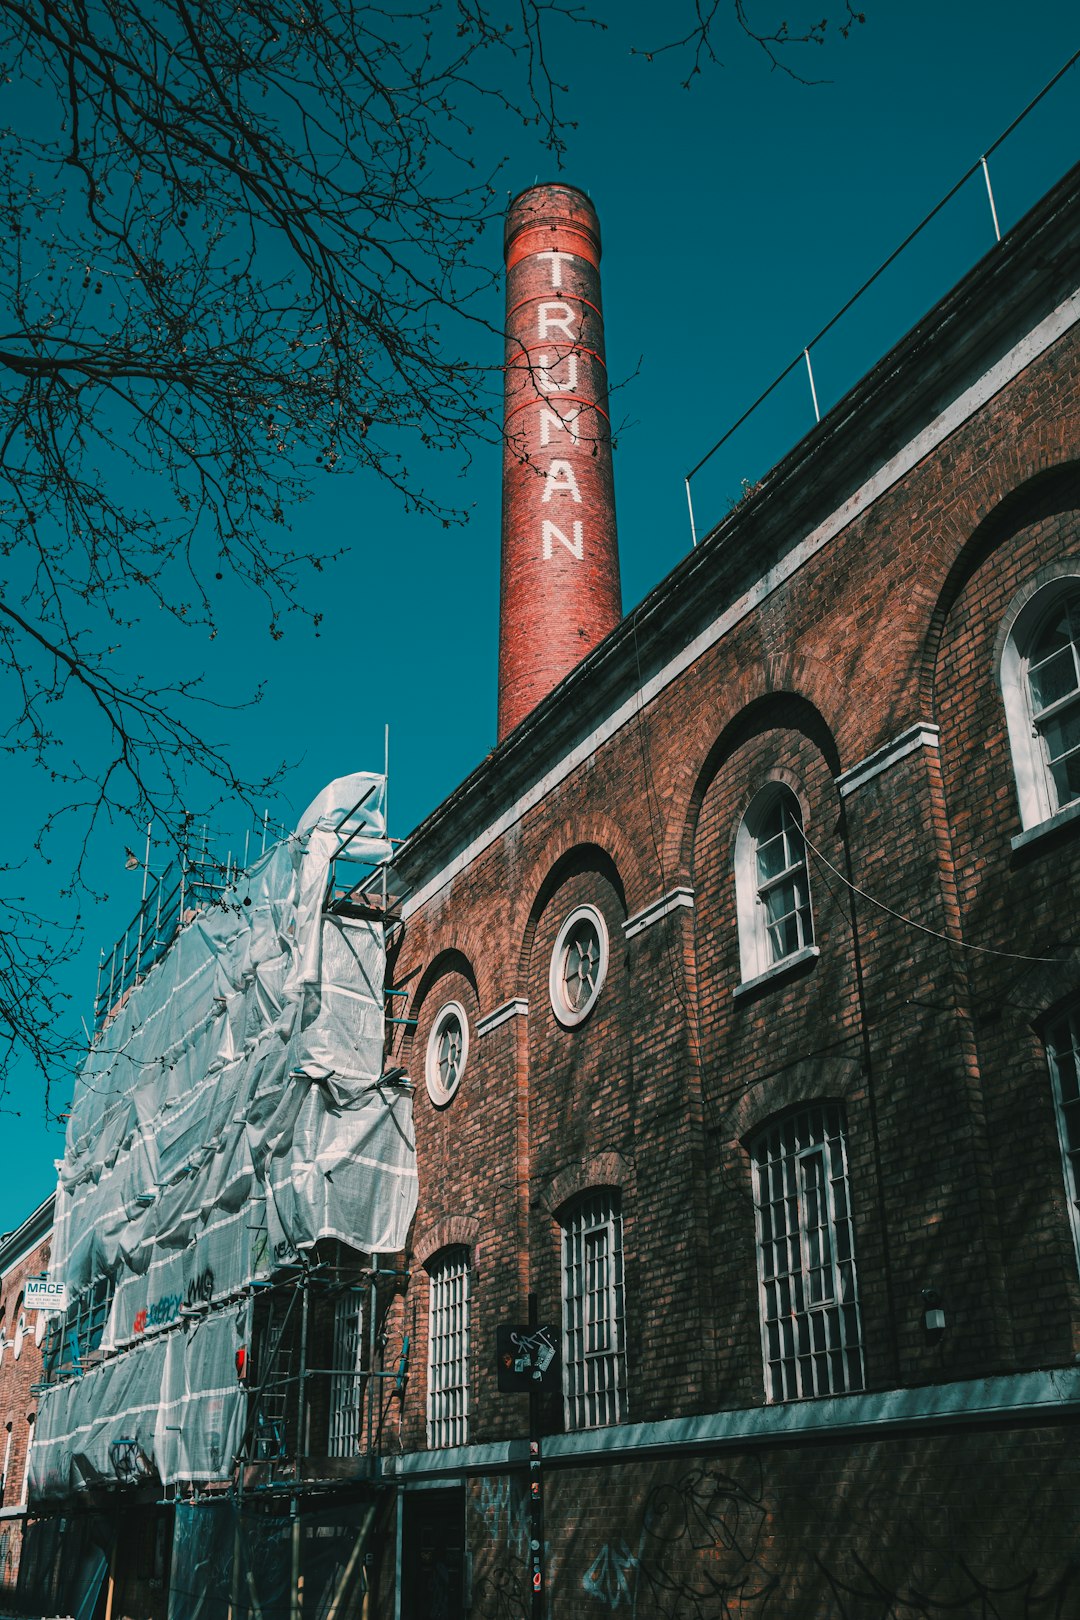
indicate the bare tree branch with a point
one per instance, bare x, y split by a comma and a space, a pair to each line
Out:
242, 246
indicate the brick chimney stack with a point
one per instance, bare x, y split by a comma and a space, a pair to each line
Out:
560, 562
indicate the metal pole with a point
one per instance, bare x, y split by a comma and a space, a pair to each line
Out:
142, 904
813, 390
536, 1489
372, 1302
296, 1594
690, 504
990, 195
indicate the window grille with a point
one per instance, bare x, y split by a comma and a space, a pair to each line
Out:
448, 1350
810, 1326
447, 1052
594, 1355
76, 1335
347, 1378
579, 963
1063, 1056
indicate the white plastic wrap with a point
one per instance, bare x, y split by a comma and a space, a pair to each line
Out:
228, 1116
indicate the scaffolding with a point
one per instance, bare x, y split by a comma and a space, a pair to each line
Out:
238, 1182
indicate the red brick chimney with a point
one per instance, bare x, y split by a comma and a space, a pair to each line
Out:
560, 560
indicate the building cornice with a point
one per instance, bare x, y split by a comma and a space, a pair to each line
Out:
17, 1244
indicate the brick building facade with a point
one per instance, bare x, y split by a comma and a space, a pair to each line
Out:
24, 1253
745, 986
740, 999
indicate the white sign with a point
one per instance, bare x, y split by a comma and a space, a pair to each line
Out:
43, 1295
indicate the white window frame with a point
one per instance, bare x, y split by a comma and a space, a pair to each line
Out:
594, 1313
1036, 789
1062, 1032
347, 1380
569, 1012
759, 953
449, 1295
811, 1330
442, 1075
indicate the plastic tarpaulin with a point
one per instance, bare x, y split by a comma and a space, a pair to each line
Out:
229, 1564
230, 1114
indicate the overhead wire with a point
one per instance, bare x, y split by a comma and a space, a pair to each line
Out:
949, 939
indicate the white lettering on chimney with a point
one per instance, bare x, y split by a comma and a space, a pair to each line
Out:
548, 322
560, 480
556, 265
546, 382
576, 546
561, 424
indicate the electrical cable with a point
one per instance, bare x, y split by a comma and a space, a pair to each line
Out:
984, 950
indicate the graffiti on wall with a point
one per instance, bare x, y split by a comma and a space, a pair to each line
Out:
702, 1552
503, 1508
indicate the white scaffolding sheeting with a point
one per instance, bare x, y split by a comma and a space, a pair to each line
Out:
229, 1115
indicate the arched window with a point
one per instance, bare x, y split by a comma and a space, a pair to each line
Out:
811, 1334
1040, 685
21, 1328
594, 1313
771, 882
1063, 1056
347, 1379
448, 1348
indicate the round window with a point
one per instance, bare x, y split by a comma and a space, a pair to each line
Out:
578, 965
447, 1052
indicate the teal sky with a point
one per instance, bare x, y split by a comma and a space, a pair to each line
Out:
737, 217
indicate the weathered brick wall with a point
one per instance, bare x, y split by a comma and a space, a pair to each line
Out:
837, 1532
18, 1403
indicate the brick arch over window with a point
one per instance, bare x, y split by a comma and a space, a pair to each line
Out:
450, 964
609, 1169
775, 711
579, 858
1053, 493
452, 1232
829, 1078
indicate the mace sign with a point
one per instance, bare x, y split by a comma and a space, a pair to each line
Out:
43, 1295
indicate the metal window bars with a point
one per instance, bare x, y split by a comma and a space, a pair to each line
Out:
1063, 1058
448, 1353
594, 1354
811, 1329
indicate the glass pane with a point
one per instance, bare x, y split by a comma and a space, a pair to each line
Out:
1053, 680
772, 858
1066, 774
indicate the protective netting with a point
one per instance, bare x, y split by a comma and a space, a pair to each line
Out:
230, 1114
230, 1563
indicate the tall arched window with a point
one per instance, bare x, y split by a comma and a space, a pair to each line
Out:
1040, 685
771, 881
448, 1348
1063, 1056
594, 1313
811, 1333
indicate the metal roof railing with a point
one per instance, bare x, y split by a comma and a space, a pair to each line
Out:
803, 356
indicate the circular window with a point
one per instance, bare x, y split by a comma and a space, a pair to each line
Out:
578, 965
447, 1052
